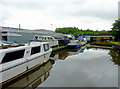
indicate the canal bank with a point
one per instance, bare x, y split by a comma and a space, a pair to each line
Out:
115, 43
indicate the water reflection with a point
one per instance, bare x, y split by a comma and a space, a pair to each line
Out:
101, 43
63, 54
92, 68
115, 54
114, 51
33, 79
88, 66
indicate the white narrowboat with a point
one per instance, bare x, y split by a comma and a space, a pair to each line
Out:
53, 42
15, 61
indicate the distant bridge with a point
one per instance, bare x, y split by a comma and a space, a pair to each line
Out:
102, 36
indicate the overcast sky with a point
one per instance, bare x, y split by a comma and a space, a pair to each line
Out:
40, 14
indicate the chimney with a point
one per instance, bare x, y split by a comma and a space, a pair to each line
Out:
19, 26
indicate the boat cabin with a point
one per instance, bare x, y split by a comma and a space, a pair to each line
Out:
53, 42
9, 53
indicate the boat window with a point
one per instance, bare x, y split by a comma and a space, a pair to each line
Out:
43, 38
35, 50
13, 56
36, 37
46, 47
40, 38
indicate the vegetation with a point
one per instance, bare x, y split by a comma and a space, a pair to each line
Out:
116, 30
98, 39
76, 31
118, 43
67, 30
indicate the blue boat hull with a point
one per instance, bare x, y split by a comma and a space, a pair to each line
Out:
74, 46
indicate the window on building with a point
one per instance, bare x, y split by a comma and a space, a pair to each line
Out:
13, 56
35, 50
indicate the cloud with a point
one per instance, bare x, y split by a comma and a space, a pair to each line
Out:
4, 15
69, 7
79, 13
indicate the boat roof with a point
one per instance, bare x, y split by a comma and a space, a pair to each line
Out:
38, 43
19, 46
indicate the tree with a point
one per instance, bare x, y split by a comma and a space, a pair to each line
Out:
116, 30
67, 30
76, 31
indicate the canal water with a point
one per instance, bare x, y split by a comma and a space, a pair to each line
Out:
89, 66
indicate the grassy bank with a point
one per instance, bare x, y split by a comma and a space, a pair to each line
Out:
117, 43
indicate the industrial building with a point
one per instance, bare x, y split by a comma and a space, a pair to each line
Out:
22, 35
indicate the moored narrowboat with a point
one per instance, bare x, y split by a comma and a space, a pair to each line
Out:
15, 61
